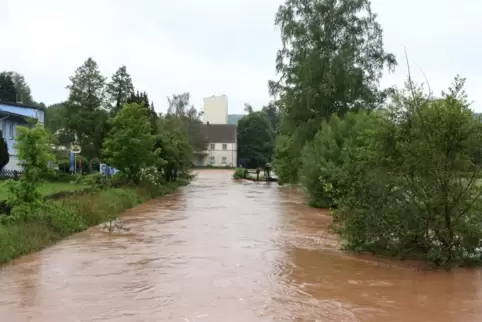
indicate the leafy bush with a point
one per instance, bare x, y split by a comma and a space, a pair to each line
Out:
57, 177
94, 180
238, 173
323, 171
399, 177
119, 179
33, 151
150, 180
63, 221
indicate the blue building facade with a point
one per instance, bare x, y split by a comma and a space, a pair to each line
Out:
13, 115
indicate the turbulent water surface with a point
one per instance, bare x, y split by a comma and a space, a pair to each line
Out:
220, 250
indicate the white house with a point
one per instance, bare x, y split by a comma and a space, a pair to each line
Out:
221, 137
221, 149
13, 115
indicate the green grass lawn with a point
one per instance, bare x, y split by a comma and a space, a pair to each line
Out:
47, 188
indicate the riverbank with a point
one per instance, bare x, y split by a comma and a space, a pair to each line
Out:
57, 219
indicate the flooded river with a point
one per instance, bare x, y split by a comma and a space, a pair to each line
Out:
220, 250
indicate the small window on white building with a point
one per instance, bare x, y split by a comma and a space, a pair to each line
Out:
212, 146
225, 146
4, 129
224, 160
211, 159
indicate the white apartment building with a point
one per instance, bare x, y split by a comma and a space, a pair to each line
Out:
215, 110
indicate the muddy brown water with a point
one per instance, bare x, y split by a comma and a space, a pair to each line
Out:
220, 250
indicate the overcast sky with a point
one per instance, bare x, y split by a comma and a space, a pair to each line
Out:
213, 47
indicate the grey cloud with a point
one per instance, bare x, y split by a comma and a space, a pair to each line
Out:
215, 46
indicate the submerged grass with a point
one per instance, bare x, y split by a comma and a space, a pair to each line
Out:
60, 218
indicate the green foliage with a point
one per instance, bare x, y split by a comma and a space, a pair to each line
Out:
153, 152
34, 155
181, 109
274, 115
255, 139
8, 92
4, 155
129, 144
179, 133
62, 220
287, 158
22, 89
239, 173
85, 108
331, 61
56, 121
399, 177
53, 220
325, 159
95, 181
143, 99
151, 180
120, 89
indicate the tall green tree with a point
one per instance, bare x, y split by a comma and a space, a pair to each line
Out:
120, 88
24, 93
173, 146
273, 114
8, 93
255, 139
56, 121
143, 99
181, 108
248, 108
331, 60
86, 112
129, 144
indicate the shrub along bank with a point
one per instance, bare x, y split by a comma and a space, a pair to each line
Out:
56, 219
403, 180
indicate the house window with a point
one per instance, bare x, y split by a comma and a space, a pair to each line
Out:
224, 160
11, 130
211, 159
4, 129
225, 146
212, 146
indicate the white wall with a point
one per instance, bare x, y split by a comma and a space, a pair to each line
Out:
216, 110
13, 164
220, 157
9, 133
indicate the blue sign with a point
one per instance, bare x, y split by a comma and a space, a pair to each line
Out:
72, 162
107, 170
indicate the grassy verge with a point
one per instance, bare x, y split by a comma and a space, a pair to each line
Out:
47, 188
60, 218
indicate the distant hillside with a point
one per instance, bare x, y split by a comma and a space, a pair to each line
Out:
234, 118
